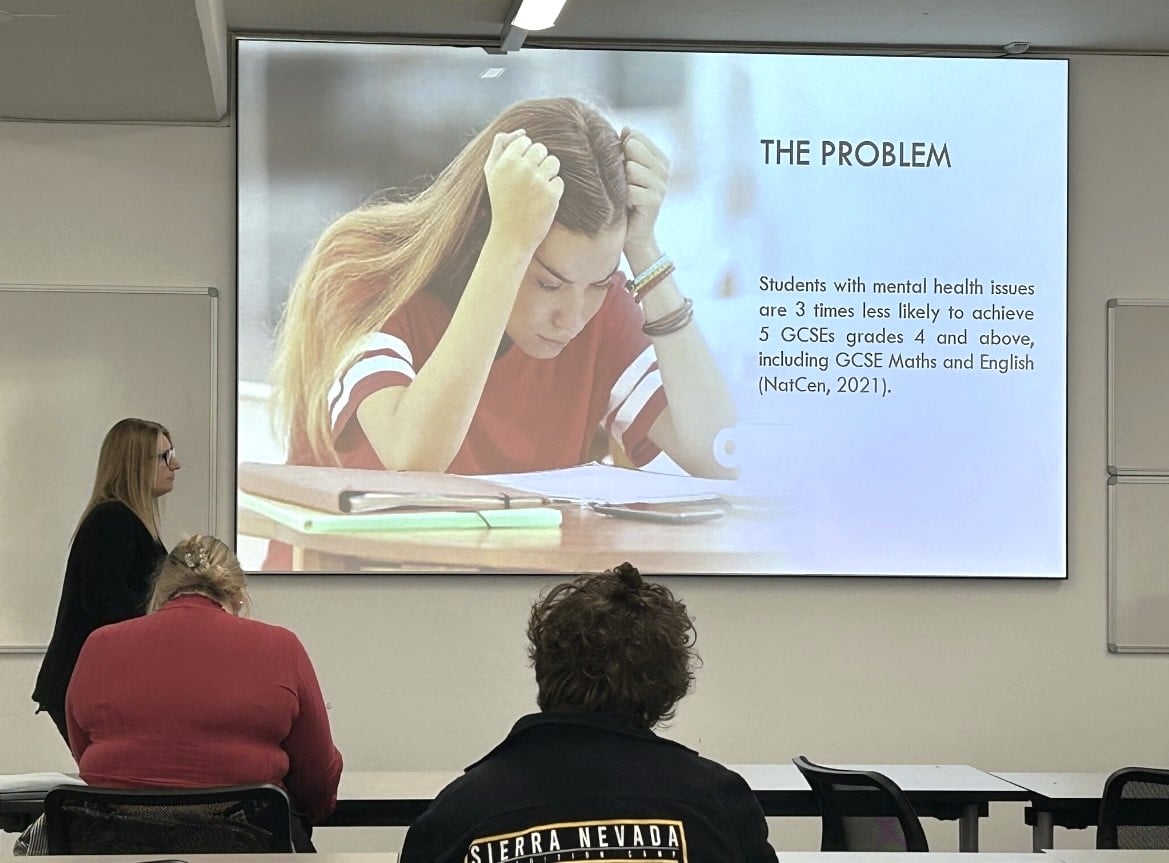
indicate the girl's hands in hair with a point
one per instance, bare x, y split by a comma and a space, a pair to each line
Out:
648, 171
524, 185
423, 425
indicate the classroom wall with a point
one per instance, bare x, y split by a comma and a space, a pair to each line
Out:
429, 672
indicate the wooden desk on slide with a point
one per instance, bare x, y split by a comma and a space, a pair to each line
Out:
943, 791
1070, 800
740, 542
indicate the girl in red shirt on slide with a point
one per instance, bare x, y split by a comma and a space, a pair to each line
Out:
484, 326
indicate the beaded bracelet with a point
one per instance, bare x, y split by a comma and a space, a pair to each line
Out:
644, 287
672, 322
651, 276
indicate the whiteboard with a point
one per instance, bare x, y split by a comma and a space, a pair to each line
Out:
73, 361
1138, 380
1138, 564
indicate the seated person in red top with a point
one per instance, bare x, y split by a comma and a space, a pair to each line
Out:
483, 325
587, 778
194, 695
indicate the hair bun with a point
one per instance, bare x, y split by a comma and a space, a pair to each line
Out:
192, 553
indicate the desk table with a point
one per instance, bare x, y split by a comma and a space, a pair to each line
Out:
1070, 800
749, 542
394, 798
334, 857
386, 798
943, 791
911, 857
1104, 855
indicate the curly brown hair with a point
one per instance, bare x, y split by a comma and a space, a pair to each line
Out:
612, 642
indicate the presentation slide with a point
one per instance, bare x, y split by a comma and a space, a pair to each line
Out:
713, 313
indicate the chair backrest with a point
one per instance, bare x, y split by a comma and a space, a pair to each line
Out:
861, 810
237, 819
1134, 809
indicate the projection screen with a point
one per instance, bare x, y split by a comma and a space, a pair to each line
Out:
867, 264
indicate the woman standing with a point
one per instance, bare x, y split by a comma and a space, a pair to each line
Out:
116, 549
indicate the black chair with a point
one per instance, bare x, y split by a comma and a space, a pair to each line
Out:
861, 810
1134, 809
83, 819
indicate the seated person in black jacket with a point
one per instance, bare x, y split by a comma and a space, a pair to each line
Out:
586, 778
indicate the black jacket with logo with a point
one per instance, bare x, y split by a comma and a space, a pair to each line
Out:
590, 786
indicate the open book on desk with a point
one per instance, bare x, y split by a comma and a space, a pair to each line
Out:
347, 490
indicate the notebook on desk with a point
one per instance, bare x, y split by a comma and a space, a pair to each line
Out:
314, 521
347, 490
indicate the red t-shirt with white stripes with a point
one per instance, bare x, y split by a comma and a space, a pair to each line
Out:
534, 414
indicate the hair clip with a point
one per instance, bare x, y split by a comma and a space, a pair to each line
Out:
196, 559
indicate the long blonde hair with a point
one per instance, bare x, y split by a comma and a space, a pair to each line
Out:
203, 565
126, 468
373, 259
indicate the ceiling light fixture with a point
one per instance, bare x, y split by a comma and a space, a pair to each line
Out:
537, 14
524, 16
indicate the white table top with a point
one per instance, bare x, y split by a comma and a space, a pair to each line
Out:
341, 857
425, 785
909, 777
17, 783
395, 784
1107, 856
906, 857
1060, 786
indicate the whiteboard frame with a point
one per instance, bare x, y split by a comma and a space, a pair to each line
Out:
212, 294
1114, 467
1115, 577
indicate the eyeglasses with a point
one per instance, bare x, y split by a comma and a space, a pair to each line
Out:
168, 457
